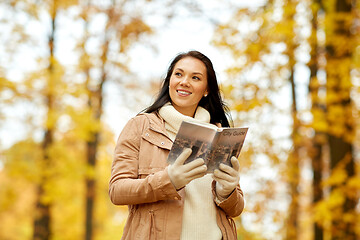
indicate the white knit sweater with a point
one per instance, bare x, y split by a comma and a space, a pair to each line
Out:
199, 216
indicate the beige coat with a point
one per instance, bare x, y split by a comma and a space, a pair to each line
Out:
139, 179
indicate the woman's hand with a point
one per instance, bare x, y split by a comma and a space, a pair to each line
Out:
181, 174
227, 178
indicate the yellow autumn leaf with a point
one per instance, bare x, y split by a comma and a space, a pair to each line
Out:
320, 126
321, 212
353, 182
338, 176
336, 198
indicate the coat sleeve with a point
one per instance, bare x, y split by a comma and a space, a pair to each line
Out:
234, 204
125, 188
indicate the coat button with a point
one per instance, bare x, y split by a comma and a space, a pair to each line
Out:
146, 134
176, 198
162, 143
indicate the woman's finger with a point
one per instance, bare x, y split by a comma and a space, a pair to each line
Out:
183, 156
194, 164
235, 163
195, 171
228, 170
223, 175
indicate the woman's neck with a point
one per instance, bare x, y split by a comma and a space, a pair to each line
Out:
189, 111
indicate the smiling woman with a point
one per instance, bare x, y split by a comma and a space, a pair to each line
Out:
177, 201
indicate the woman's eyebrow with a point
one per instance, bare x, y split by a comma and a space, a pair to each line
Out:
198, 73
180, 69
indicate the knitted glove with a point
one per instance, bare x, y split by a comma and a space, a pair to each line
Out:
227, 178
181, 174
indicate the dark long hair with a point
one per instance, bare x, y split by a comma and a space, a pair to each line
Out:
213, 103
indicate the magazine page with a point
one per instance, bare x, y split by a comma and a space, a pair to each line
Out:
197, 137
227, 143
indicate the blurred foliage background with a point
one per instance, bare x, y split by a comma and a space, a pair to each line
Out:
290, 71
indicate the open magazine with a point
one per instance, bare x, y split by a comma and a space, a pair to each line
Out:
214, 145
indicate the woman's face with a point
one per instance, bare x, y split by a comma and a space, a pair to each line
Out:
188, 84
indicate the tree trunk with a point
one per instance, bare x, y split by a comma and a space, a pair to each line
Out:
294, 171
95, 103
42, 226
339, 114
90, 186
316, 152
42, 221
292, 230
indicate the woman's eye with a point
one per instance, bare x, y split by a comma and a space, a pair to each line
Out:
177, 74
196, 78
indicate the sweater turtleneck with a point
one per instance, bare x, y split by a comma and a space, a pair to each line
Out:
173, 118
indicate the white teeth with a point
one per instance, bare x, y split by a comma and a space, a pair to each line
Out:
183, 92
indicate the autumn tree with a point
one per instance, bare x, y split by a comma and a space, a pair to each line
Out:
265, 51
339, 19
71, 129
317, 150
253, 45
42, 221
121, 30
17, 166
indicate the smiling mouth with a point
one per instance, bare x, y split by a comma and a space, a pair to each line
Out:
183, 93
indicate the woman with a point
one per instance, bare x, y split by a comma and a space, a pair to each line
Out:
178, 201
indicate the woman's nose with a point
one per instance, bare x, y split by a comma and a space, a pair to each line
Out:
185, 81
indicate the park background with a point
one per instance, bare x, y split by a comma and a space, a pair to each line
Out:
73, 72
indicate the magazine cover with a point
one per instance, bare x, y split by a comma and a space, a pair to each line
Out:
214, 145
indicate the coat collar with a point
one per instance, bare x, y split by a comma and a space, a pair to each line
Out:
156, 123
